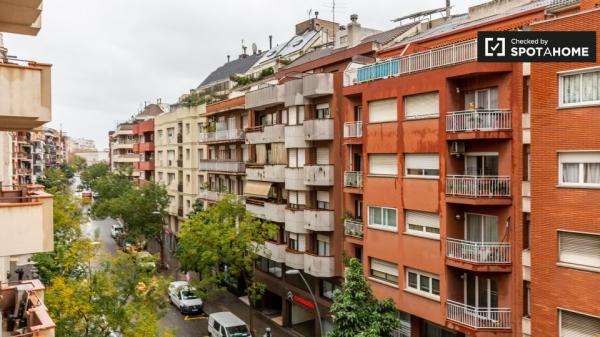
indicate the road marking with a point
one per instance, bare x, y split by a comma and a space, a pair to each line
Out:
188, 318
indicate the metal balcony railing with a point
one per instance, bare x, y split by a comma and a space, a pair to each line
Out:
478, 186
479, 318
478, 120
353, 129
224, 135
353, 179
478, 252
353, 228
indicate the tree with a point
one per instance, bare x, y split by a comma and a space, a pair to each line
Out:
225, 234
77, 163
92, 173
54, 181
356, 312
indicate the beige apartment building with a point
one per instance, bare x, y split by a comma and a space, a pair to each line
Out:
122, 157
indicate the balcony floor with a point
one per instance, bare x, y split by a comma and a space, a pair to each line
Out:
478, 201
467, 135
479, 267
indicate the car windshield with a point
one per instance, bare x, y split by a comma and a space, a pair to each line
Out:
238, 331
188, 295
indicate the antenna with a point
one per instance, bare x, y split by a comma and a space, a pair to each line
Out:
254, 48
309, 13
333, 20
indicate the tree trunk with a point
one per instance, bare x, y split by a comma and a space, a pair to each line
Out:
250, 306
161, 244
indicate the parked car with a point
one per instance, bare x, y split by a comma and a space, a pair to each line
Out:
226, 324
145, 260
182, 296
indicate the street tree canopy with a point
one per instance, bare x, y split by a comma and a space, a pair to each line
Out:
93, 172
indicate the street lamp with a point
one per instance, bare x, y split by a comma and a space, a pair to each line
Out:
297, 272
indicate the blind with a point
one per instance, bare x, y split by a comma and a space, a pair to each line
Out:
384, 266
323, 196
384, 164
383, 111
322, 106
579, 157
244, 121
422, 218
322, 155
422, 105
293, 197
580, 249
322, 237
577, 325
422, 161
293, 114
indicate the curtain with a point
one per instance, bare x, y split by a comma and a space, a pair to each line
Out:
471, 169
570, 173
490, 229
571, 88
473, 228
591, 86
592, 173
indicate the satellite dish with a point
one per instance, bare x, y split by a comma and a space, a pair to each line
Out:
254, 48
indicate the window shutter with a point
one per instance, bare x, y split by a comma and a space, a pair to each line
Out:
292, 158
422, 105
261, 153
322, 155
578, 325
421, 161
321, 237
301, 198
301, 157
293, 120
383, 111
580, 249
293, 197
579, 157
384, 164
300, 114
422, 218
323, 196
384, 266
245, 153
284, 116
322, 106
244, 121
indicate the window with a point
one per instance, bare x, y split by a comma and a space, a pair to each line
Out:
323, 245
382, 217
160, 176
327, 288
383, 111
421, 165
423, 283
383, 270
422, 224
160, 136
574, 324
322, 199
187, 178
322, 111
171, 178
422, 106
579, 249
269, 266
296, 199
170, 135
296, 242
383, 164
296, 157
579, 169
581, 88
187, 128
482, 99
404, 329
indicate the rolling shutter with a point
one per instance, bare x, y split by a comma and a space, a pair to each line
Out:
579, 157
384, 266
422, 218
580, 249
323, 196
322, 106
322, 155
577, 325
422, 161
383, 164
301, 157
293, 114
383, 111
423, 105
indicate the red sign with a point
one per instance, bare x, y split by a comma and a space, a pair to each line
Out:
310, 305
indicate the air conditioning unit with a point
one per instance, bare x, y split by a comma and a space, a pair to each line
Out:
457, 148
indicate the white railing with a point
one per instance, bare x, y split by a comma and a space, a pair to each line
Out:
353, 129
234, 134
479, 318
353, 179
221, 166
478, 252
478, 186
353, 228
478, 120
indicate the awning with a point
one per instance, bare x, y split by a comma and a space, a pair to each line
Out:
258, 189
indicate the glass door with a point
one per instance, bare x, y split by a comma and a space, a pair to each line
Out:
481, 165
481, 292
481, 228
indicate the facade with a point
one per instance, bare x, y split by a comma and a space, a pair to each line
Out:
54, 148
122, 157
94, 157
81, 145
143, 132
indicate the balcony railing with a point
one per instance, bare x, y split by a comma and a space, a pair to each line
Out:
353, 129
430, 59
478, 120
318, 175
221, 166
319, 84
264, 97
319, 266
319, 220
353, 228
223, 135
478, 186
353, 179
478, 252
479, 318
318, 129
265, 134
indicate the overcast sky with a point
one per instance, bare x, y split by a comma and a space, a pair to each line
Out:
109, 56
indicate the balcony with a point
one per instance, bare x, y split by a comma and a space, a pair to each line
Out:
294, 221
265, 97
144, 166
143, 147
294, 137
256, 208
228, 166
122, 145
222, 136
294, 259
38, 322
25, 98
353, 129
272, 173
319, 266
318, 129
26, 213
294, 179
274, 212
293, 93
353, 228
265, 134
489, 189
273, 251
179, 138
126, 158
318, 175
255, 173
319, 220
479, 124
315, 85
353, 179
479, 256
209, 195
427, 60
479, 318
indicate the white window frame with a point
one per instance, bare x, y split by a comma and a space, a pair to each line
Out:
418, 290
384, 280
580, 183
383, 226
571, 264
422, 170
580, 72
423, 233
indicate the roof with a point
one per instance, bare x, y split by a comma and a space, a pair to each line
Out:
151, 110
313, 55
388, 35
227, 319
239, 66
298, 42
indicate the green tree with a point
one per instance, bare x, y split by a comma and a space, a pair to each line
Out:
356, 312
54, 181
225, 234
92, 173
77, 163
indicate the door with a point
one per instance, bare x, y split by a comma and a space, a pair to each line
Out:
358, 209
483, 99
357, 162
231, 123
481, 228
481, 165
481, 293
358, 113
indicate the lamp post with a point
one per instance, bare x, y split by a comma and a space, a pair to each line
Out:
297, 272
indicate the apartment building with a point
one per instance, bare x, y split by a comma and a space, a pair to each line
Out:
143, 132
122, 157
22, 158
26, 221
54, 147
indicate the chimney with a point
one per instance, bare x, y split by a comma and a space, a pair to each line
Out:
244, 49
316, 14
270, 42
354, 31
447, 9
228, 57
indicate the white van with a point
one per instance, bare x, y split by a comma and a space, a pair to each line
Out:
226, 324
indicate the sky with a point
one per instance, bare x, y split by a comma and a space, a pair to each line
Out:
110, 56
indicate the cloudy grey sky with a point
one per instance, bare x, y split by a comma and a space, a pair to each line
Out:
109, 56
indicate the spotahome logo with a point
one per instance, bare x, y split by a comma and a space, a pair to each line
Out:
536, 46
